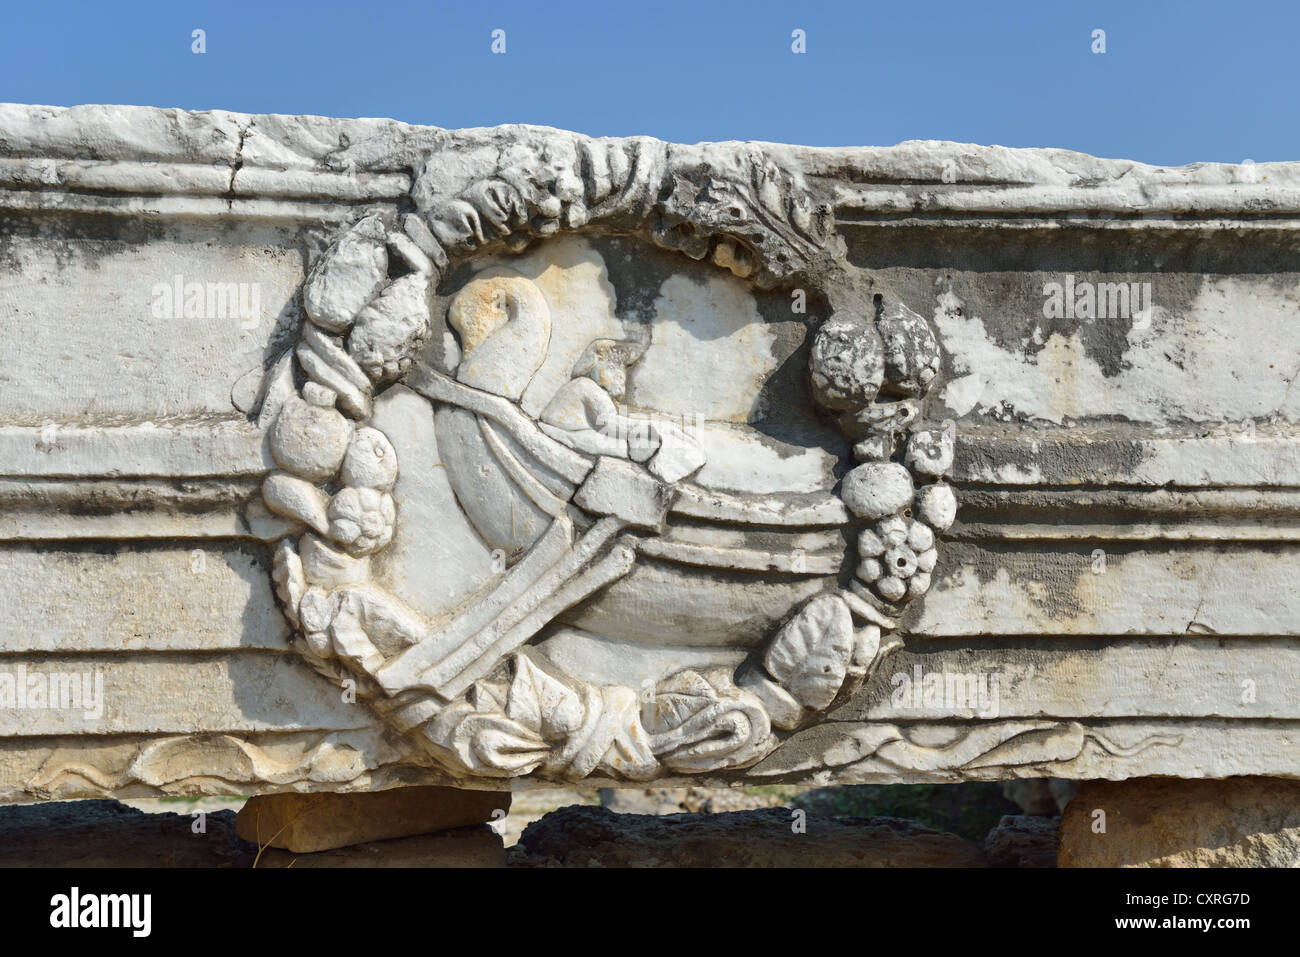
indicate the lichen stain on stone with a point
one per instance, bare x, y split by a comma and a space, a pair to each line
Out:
1051, 459
1050, 581
1187, 363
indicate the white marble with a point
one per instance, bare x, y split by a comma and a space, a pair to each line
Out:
341, 453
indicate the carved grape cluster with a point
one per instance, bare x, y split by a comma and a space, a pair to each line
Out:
875, 374
898, 556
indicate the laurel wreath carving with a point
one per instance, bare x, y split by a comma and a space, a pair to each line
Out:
367, 302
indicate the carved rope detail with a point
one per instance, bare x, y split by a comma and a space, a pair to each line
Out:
367, 301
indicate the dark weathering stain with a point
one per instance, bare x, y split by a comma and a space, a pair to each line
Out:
1058, 572
1058, 458
999, 274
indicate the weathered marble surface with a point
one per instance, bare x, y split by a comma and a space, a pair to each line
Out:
202, 520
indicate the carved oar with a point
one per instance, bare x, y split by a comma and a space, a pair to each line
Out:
501, 638
519, 620
552, 577
404, 670
626, 496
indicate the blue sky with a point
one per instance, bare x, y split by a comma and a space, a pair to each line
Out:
1178, 83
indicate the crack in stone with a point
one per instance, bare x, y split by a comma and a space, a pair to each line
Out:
1214, 562
236, 164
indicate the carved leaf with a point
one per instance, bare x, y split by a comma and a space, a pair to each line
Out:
678, 699
810, 655
493, 741
542, 703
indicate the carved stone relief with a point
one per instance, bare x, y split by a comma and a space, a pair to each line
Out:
555, 458
727, 618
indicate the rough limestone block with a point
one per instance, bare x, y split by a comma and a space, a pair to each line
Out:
599, 837
462, 847
304, 823
1022, 840
109, 834
1237, 822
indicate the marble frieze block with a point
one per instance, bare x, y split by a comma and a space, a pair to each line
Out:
343, 454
